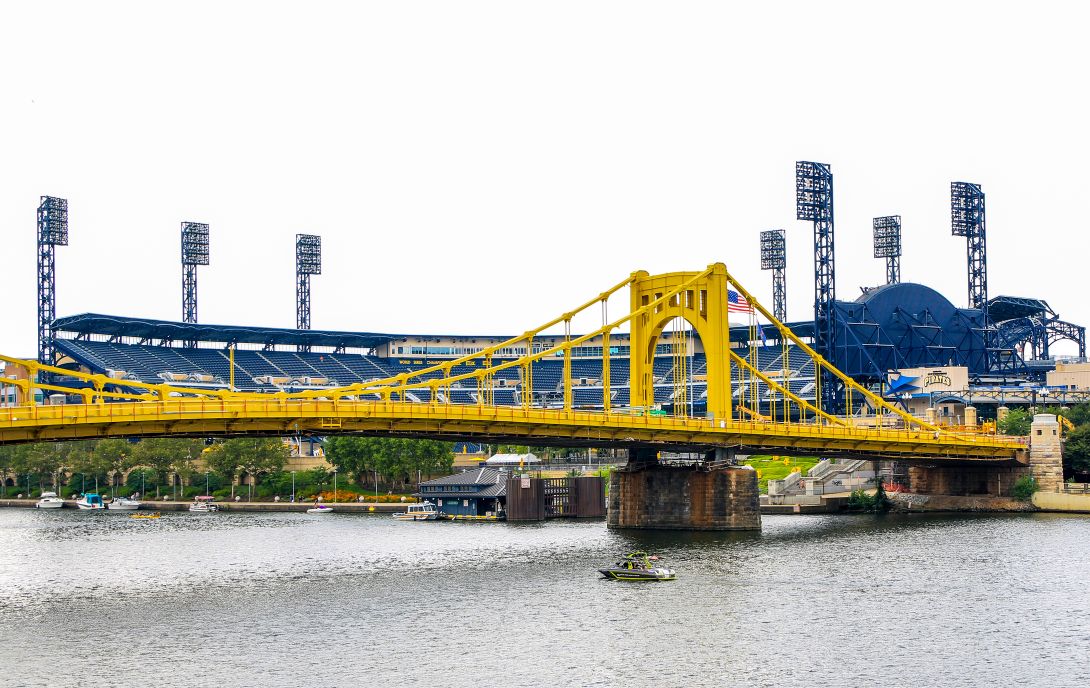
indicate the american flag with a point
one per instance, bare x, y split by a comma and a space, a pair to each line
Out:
736, 303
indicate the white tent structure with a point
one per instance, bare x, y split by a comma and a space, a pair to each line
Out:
511, 460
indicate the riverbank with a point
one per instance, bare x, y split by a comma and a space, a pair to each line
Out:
347, 507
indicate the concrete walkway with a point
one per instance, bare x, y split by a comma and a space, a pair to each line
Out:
347, 507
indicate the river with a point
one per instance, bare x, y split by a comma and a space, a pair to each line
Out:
293, 599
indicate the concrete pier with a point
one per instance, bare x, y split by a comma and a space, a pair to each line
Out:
653, 496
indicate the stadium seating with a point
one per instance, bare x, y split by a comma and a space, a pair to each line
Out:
274, 370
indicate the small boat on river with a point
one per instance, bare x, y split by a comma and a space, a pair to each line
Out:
203, 504
49, 500
153, 514
91, 501
419, 512
320, 509
639, 566
123, 504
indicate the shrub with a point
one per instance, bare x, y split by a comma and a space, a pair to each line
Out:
861, 501
1024, 488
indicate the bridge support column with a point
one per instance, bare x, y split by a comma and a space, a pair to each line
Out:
970, 416
1046, 452
646, 495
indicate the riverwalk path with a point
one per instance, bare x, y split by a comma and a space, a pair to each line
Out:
348, 507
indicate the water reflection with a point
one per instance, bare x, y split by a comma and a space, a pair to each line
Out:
277, 598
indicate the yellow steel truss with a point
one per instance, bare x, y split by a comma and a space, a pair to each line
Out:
699, 298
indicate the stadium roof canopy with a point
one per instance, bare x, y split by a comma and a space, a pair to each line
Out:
168, 330
144, 328
1003, 308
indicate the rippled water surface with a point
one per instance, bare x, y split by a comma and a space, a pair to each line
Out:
292, 599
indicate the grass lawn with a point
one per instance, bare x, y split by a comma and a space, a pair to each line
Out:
778, 467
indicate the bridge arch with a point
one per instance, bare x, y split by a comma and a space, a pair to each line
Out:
703, 304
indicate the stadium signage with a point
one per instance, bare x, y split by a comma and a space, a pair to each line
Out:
937, 378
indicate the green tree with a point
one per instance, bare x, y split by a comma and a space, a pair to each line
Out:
252, 455
1079, 414
162, 455
115, 456
11, 461
1016, 423
1077, 450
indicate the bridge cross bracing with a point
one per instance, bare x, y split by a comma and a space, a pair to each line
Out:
736, 418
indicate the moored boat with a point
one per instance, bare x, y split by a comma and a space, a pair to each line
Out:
91, 501
123, 504
419, 512
49, 500
639, 566
320, 509
203, 504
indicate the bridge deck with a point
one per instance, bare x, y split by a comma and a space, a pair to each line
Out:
214, 417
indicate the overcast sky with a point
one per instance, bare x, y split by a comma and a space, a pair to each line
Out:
479, 167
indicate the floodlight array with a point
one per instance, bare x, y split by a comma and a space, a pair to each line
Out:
53, 221
773, 250
308, 254
194, 243
887, 236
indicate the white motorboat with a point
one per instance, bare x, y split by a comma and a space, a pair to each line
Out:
49, 500
419, 512
91, 502
203, 505
123, 504
320, 509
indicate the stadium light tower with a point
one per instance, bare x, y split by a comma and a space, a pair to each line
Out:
194, 253
887, 244
774, 258
814, 202
52, 232
308, 261
967, 220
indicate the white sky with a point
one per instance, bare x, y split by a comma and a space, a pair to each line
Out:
479, 167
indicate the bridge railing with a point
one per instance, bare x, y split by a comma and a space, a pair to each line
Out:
331, 413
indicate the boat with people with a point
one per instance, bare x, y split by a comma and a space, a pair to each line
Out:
320, 509
49, 500
203, 504
425, 511
639, 566
123, 504
151, 515
91, 501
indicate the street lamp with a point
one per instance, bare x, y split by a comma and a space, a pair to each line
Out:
293, 487
334, 484
206, 492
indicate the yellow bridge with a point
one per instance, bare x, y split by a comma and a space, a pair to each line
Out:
871, 428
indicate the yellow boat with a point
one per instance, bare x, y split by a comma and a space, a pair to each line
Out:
154, 514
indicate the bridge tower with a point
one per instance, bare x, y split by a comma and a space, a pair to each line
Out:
774, 258
52, 232
704, 306
308, 261
194, 253
814, 202
887, 244
967, 220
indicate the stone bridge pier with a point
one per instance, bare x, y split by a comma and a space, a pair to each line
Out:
1045, 464
647, 494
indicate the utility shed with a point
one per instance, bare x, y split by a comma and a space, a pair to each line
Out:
476, 492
